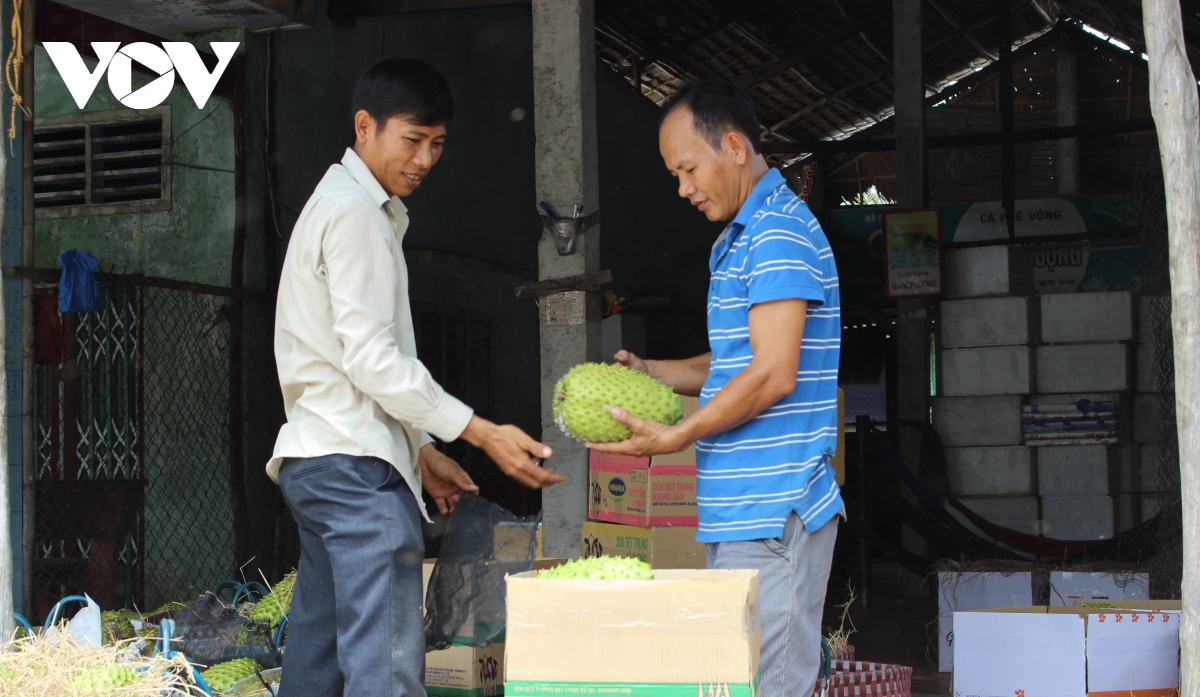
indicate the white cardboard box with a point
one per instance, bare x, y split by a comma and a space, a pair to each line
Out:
1066, 652
1066, 587
981, 591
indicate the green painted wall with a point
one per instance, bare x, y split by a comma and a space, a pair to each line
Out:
193, 240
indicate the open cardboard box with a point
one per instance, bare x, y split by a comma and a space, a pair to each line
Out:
674, 635
1068, 652
463, 670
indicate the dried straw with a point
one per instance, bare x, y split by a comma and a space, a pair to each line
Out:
43, 666
839, 639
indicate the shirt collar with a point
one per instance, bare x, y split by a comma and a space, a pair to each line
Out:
362, 174
758, 197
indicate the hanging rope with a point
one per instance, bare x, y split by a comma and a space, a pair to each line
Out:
12, 68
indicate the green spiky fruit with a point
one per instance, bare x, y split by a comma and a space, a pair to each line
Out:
104, 680
602, 568
224, 676
271, 608
168, 607
115, 625
581, 395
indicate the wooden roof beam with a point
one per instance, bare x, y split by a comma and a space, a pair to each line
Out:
769, 70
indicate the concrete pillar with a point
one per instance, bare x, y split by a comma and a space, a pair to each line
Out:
912, 335
564, 88
1066, 104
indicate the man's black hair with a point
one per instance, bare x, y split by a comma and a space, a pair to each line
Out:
404, 87
717, 108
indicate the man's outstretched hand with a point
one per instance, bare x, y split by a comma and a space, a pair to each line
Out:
443, 479
649, 437
513, 451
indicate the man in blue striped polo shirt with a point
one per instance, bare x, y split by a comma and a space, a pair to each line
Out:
767, 425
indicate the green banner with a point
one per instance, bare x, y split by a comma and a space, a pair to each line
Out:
463, 692
855, 233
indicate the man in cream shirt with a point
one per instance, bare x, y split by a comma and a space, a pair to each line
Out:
362, 411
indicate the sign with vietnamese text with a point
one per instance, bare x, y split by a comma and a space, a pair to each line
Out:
913, 252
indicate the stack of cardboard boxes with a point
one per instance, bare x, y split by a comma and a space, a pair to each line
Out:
645, 507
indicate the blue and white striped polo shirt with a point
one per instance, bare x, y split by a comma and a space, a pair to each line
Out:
752, 477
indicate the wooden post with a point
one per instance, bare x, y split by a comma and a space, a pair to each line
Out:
1008, 160
912, 330
1066, 100
6, 551
1176, 109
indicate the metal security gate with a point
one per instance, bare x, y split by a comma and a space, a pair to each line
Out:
131, 417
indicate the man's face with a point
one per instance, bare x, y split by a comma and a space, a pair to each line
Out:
710, 179
400, 153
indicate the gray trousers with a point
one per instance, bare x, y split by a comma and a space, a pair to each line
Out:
355, 627
792, 575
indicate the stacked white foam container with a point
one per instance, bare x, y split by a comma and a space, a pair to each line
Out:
1001, 348
989, 330
1086, 353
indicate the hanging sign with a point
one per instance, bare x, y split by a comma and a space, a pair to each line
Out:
913, 253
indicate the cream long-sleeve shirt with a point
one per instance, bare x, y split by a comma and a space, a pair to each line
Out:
344, 342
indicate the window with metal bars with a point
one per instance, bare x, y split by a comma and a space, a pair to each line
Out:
100, 163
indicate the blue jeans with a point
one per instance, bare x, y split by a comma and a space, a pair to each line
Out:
355, 627
792, 575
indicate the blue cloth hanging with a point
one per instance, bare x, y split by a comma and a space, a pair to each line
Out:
77, 288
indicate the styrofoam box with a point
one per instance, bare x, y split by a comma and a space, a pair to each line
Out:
1018, 513
1087, 317
1061, 652
1083, 368
1149, 466
1066, 587
971, 372
1073, 470
1147, 374
987, 271
982, 591
967, 421
987, 322
990, 471
1077, 517
1145, 418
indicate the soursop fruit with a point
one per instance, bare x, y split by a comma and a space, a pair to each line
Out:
271, 608
581, 395
602, 568
223, 676
104, 680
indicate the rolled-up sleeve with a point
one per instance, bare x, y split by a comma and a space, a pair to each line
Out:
361, 274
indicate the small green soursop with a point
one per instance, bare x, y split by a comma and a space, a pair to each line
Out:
103, 680
271, 608
581, 395
223, 676
603, 568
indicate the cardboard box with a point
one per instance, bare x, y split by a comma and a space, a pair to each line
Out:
1053, 651
631, 491
678, 634
839, 457
1067, 588
981, 591
662, 548
511, 542
465, 671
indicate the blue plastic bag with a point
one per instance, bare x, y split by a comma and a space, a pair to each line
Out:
77, 289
